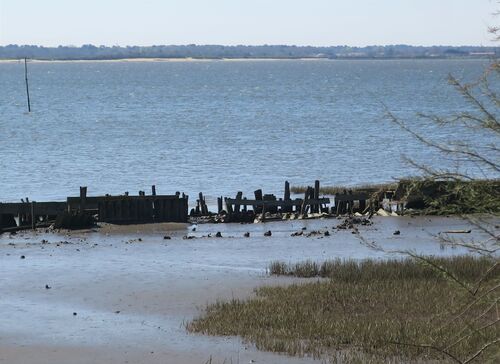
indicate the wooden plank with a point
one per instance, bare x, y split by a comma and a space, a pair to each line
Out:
165, 209
259, 203
42, 208
268, 207
353, 197
94, 199
93, 202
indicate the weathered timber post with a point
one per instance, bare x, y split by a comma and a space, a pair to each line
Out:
33, 222
153, 204
229, 207
362, 205
219, 204
238, 197
316, 195
338, 203
311, 197
345, 204
351, 203
286, 197
305, 202
83, 198
258, 196
202, 205
26, 213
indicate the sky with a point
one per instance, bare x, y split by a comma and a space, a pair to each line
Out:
250, 22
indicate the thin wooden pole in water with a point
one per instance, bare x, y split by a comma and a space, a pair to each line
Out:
26, 78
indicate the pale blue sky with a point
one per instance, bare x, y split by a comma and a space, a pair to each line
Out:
229, 22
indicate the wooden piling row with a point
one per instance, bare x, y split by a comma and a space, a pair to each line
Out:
201, 208
269, 203
142, 209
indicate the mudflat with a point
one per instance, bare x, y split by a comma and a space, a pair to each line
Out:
123, 295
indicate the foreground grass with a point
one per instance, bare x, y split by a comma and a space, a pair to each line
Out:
373, 311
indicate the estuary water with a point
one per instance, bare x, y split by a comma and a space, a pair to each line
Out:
218, 126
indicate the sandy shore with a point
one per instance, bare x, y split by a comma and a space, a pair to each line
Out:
187, 59
133, 291
106, 60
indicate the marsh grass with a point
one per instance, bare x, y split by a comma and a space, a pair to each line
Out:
465, 267
332, 190
373, 311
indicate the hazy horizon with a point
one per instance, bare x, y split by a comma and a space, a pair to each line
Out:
492, 45
223, 22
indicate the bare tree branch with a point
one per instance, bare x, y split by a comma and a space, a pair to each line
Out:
480, 351
428, 346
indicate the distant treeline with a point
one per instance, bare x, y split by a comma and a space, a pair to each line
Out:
218, 51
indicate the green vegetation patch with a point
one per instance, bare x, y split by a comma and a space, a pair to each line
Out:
369, 311
451, 197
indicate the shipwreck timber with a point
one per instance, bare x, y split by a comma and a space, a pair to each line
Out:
80, 211
83, 211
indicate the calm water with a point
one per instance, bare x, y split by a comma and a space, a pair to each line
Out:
215, 126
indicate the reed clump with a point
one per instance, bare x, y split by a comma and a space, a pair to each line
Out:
369, 311
465, 267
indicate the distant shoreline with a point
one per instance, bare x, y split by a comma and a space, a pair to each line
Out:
191, 59
212, 52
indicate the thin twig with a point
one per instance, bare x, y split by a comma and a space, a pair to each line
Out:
428, 346
480, 351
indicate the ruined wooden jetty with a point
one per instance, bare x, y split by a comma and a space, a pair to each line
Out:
238, 209
268, 206
122, 209
81, 211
